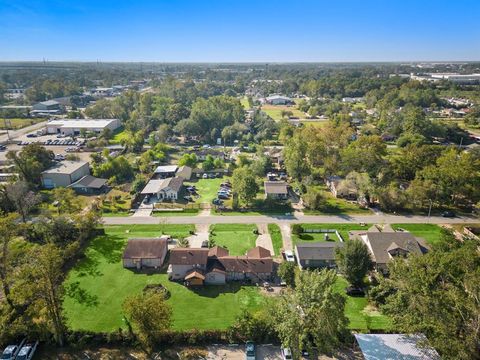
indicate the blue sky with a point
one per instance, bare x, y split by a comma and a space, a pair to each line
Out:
240, 31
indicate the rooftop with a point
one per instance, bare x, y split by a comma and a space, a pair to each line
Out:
146, 248
395, 346
90, 182
275, 187
317, 250
156, 185
81, 123
65, 167
166, 169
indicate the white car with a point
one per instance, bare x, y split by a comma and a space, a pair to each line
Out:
27, 351
286, 354
289, 256
11, 351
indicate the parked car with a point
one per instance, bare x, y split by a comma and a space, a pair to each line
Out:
217, 202
3, 147
205, 176
286, 354
223, 196
11, 351
31, 135
289, 256
59, 157
27, 351
305, 355
250, 350
448, 214
146, 199
354, 291
226, 184
188, 198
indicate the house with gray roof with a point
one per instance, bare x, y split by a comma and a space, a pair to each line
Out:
64, 173
388, 245
90, 185
316, 255
395, 346
164, 189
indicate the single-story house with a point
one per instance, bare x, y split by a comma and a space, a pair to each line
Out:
145, 252
203, 153
90, 185
387, 245
279, 100
339, 188
395, 346
184, 172
64, 174
215, 266
164, 189
277, 190
76, 126
316, 255
165, 171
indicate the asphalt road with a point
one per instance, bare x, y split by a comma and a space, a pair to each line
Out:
282, 219
17, 133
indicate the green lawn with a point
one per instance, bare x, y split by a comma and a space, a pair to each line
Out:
18, 123
313, 237
335, 205
430, 232
275, 111
276, 236
237, 238
343, 229
119, 135
185, 212
98, 285
206, 188
362, 316
245, 103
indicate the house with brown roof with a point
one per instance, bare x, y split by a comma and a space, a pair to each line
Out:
145, 252
387, 245
216, 266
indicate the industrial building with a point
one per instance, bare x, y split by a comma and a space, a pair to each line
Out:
76, 126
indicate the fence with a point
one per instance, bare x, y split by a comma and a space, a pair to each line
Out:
325, 231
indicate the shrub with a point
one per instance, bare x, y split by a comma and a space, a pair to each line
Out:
297, 229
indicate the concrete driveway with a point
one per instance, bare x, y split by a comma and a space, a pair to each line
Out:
201, 235
264, 239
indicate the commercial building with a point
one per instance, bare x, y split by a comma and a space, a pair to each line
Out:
64, 174
76, 126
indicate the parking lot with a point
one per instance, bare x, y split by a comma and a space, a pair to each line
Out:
264, 352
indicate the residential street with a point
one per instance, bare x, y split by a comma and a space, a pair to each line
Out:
282, 219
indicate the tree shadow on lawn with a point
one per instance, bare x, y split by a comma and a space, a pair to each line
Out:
80, 295
110, 247
213, 291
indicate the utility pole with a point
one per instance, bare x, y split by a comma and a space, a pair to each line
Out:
430, 209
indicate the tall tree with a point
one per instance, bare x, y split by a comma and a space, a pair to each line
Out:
353, 261
438, 294
150, 316
244, 184
31, 161
9, 230
22, 198
312, 315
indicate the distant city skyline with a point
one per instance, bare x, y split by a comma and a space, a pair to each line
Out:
240, 31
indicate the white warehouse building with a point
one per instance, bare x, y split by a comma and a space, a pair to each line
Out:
75, 126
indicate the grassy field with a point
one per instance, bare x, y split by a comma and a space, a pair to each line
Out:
206, 188
343, 229
244, 102
430, 232
275, 111
362, 316
98, 285
18, 123
184, 212
314, 123
119, 136
276, 235
237, 238
335, 205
